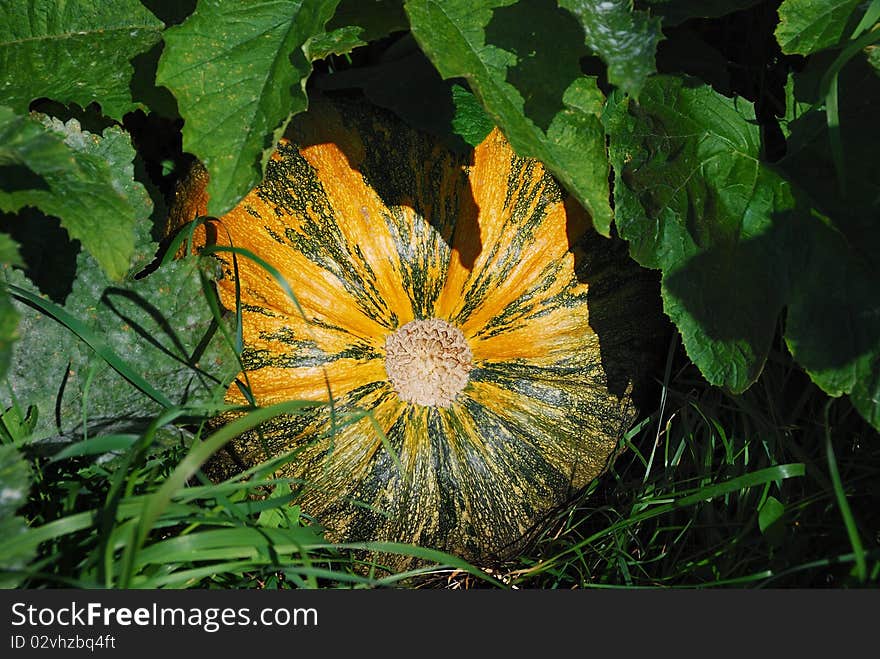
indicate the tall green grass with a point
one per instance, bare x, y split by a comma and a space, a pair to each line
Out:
777, 487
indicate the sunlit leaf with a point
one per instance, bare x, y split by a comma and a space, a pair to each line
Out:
238, 71
77, 51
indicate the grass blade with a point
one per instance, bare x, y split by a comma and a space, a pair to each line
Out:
842, 502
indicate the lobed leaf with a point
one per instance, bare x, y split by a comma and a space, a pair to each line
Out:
77, 51
626, 40
737, 240
157, 329
694, 200
86, 181
238, 71
523, 63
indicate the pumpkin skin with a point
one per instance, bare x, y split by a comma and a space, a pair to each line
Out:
373, 225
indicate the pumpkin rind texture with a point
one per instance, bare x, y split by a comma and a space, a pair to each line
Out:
374, 225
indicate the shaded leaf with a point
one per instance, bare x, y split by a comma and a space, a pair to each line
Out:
238, 71
833, 320
84, 180
808, 26
77, 51
737, 241
338, 42
626, 40
694, 200
523, 62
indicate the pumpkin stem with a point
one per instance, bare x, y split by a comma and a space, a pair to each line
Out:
427, 362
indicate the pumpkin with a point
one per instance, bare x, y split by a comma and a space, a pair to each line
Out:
458, 303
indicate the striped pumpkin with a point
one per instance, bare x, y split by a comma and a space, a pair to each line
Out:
462, 300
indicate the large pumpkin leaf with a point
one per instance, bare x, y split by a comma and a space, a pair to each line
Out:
737, 240
85, 181
77, 51
154, 325
159, 328
523, 62
15, 484
693, 200
238, 71
808, 26
625, 39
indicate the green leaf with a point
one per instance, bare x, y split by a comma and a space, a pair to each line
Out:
373, 19
83, 179
77, 51
470, 120
694, 200
808, 26
338, 42
523, 63
771, 511
15, 484
737, 241
356, 23
626, 40
158, 327
833, 320
238, 71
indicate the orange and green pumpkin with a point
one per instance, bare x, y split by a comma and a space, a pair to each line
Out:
462, 300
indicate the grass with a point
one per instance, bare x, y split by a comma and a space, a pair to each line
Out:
777, 487
773, 488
